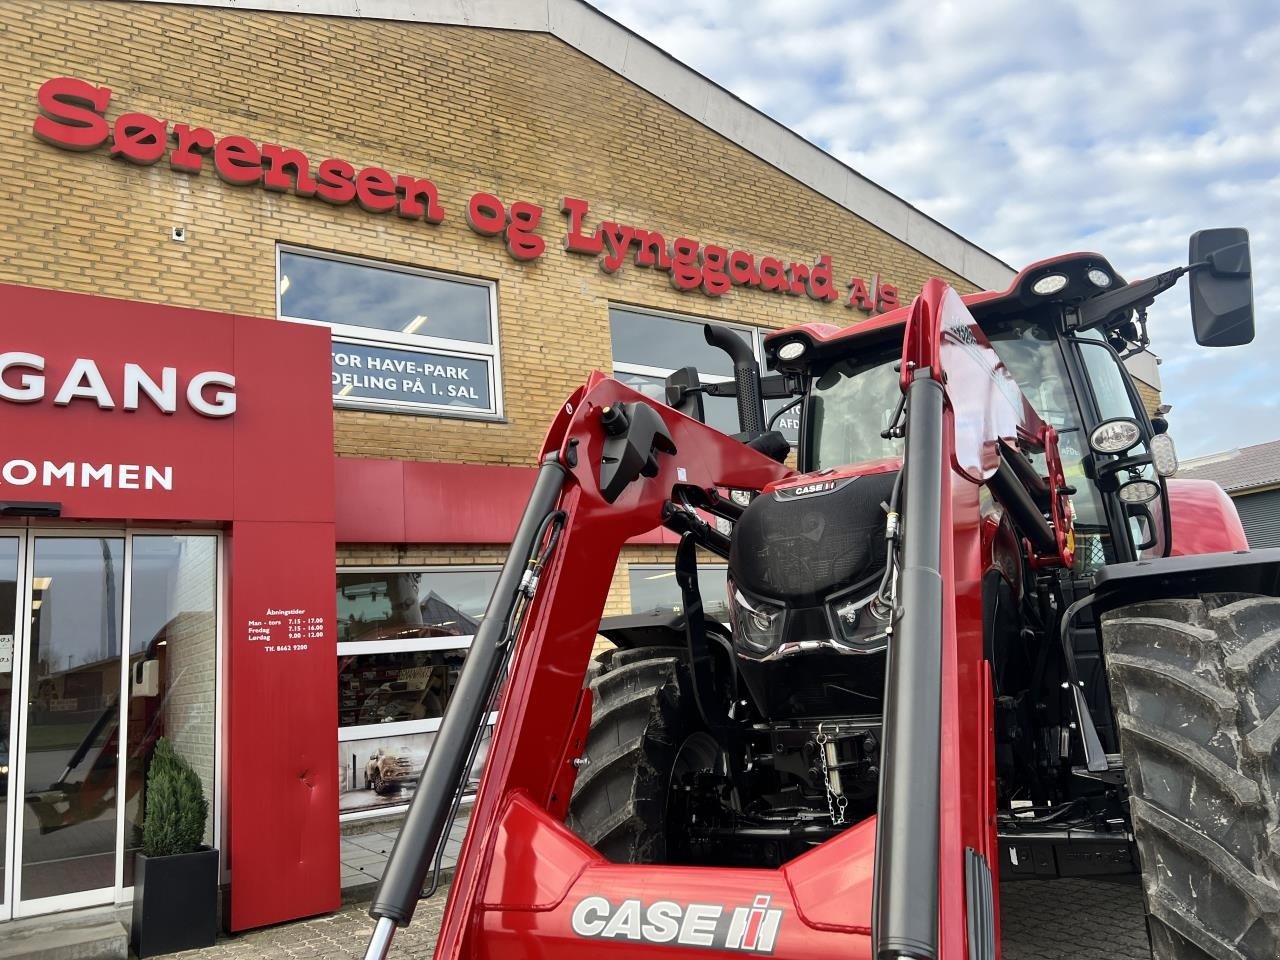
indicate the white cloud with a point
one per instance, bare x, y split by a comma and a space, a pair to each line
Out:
1035, 129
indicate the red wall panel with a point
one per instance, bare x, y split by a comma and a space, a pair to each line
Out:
370, 508
283, 455
393, 501
447, 502
282, 724
265, 474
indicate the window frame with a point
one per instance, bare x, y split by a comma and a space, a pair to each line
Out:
488, 353
644, 566
356, 648
644, 370
757, 335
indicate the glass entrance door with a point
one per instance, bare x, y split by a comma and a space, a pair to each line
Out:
10, 580
109, 641
71, 723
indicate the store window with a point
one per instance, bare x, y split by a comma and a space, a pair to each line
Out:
654, 590
403, 635
648, 346
403, 339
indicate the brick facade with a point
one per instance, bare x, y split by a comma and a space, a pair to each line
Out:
521, 115
1150, 396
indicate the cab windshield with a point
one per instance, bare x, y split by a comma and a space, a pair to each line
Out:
851, 402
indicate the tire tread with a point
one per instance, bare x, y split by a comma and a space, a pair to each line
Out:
1196, 688
638, 722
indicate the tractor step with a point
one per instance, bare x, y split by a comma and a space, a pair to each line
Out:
1049, 853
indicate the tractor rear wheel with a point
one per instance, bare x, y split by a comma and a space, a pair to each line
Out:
642, 713
1196, 687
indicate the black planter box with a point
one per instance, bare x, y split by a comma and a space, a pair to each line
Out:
175, 903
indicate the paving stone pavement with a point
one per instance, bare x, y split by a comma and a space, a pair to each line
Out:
1073, 920
338, 936
364, 855
1042, 920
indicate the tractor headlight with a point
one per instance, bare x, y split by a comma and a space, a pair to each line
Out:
1163, 456
845, 623
858, 624
757, 624
1139, 491
1099, 277
1115, 436
791, 350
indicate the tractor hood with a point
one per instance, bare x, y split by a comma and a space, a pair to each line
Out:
805, 561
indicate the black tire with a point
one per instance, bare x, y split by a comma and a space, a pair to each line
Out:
1196, 688
641, 714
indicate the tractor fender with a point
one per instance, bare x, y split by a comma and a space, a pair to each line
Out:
658, 628
1186, 577
1204, 520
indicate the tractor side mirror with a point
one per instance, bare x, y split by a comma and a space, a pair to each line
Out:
684, 393
1221, 287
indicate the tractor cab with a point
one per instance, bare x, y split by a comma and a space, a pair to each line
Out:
1062, 329
1074, 379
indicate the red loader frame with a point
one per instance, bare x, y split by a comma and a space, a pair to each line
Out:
526, 886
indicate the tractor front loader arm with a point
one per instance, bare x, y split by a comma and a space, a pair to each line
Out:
934, 896
615, 466
610, 464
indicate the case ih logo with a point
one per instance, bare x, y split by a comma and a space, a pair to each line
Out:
812, 489
808, 489
752, 929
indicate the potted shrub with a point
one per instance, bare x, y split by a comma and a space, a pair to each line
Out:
175, 893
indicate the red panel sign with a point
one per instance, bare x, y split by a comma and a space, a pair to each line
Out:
120, 411
283, 718
97, 412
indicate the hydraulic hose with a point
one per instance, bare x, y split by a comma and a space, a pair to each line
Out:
746, 374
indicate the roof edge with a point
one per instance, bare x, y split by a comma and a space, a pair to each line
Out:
626, 53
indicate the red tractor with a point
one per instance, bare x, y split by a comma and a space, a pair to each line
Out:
978, 634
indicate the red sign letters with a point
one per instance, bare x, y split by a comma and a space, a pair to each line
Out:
73, 117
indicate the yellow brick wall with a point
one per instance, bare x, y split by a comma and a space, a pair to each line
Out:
520, 115
1150, 396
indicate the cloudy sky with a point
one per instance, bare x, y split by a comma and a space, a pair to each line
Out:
1036, 128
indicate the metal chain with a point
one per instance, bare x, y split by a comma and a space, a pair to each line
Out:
836, 802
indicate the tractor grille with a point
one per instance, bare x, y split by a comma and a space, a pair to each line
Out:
800, 549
